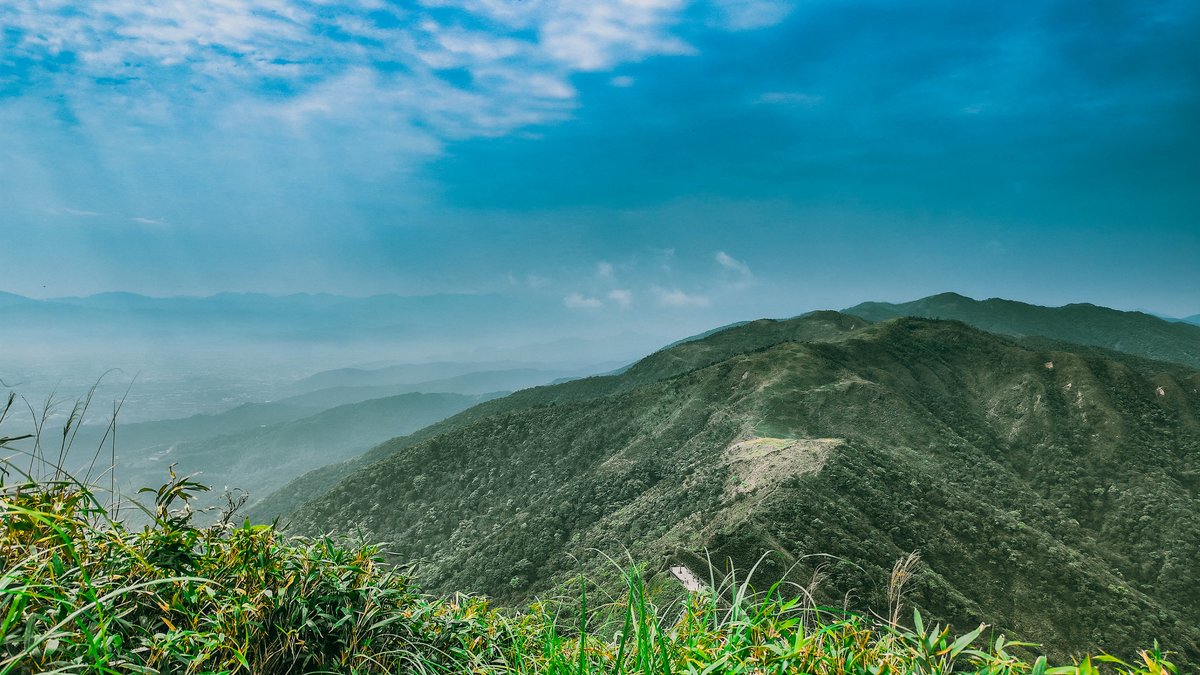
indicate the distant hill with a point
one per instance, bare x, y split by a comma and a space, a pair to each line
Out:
406, 373
1052, 492
469, 383
309, 324
1193, 319
263, 458
246, 417
298, 318
1131, 332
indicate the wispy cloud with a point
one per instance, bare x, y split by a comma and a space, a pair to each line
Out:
622, 297
597, 35
305, 60
531, 281
737, 274
579, 301
148, 221
730, 263
673, 297
604, 270
797, 98
751, 14
77, 213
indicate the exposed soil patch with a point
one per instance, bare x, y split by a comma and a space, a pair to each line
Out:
765, 462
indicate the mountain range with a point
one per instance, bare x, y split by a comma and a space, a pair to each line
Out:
378, 327
1045, 462
1134, 333
1051, 488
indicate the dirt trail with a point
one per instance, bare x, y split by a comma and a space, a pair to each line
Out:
689, 580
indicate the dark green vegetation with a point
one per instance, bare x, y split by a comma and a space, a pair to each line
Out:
1130, 332
83, 594
1051, 490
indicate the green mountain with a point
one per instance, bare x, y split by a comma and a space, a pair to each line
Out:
1130, 332
668, 362
1052, 492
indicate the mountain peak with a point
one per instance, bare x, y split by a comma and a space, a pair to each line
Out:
1134, 333
751, 438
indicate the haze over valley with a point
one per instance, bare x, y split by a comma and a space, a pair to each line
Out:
619, 337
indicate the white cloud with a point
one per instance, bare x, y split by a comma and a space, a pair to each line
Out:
148, 221
790, 98
622, 81
124, 35
77, 213
577, 301
604, 270
751, 14
666, 258
220, 52
622, 297
597, 35
531, 281
733, 264
676, 298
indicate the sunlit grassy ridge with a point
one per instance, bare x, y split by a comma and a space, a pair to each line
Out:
81, 593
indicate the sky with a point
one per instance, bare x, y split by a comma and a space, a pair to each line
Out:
631, 162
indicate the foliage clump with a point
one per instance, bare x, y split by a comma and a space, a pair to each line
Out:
82, 593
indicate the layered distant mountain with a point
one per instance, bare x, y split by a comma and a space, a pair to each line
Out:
406, 373
1130, 332
1052, 490
291, 318
470, 383
313, 329
261, 458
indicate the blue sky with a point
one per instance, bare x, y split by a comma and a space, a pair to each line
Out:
636, 162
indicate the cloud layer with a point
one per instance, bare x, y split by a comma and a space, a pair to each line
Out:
453, 70
641, 160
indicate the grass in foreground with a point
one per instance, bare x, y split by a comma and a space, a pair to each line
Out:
81, 593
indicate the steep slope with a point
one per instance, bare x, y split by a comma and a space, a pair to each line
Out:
667, 362
1050, 493
1131, 332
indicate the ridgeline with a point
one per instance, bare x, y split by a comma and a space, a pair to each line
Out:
1051, 492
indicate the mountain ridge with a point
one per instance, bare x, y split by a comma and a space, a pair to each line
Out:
517, 492
1137, 333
